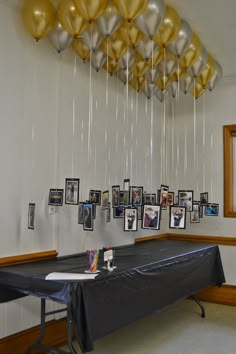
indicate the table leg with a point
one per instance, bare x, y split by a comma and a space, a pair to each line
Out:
203, 315
45, 348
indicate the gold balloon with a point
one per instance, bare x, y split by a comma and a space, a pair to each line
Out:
207, 72
140, 66
192, 53
39, 17
157, 57
70, 18
137, 83
169, 28
91, 9
130, 9
198, 90
163, 82
130, 31
111, 66
81, 49
117, 45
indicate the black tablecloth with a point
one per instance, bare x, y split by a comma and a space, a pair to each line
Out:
149, 276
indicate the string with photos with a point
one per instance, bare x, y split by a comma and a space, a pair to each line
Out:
132, 28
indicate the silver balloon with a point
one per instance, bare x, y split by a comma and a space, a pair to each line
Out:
173, 89
216, 77
99, 58
149, 90
150, 20
183, 40
110, 20
92, 38
199, 64
161, 95
186, 83
152, 75
125, 75
169, 64
147, 48
127, 59
59, 38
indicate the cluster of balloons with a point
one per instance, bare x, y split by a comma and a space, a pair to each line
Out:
144, 41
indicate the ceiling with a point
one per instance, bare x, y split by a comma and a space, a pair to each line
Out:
214, 21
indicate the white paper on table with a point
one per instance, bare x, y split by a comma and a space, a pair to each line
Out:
69, 276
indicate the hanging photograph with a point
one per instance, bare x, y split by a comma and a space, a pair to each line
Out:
176, 202
201, 210
164, 196
95, 196
94, 210
170, 198
212, 209
88, 216
126, 184
151, 217
108, 216
105, 200
140, 212
186, 199
136, 195
72, 191
121, 197
177, 218
130, 219
115, 196
126, 198
204, 198
149, 198
195, 214
81, 213
158, 196
31, 215
118, 212
55, 197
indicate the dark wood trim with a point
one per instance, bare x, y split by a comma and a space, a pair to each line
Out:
218, 240
21, 341
149, 238
225, 295
26, 258
228, 171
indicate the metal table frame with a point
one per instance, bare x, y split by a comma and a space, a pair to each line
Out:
47, 349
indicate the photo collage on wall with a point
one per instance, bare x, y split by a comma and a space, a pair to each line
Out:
132, 204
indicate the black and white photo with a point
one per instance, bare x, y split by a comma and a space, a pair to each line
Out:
130, 219
31, 216
72, 191
177, 217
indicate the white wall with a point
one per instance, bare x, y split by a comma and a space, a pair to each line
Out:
44, 139
199, 164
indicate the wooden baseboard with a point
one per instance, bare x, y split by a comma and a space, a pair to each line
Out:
153, 237
218, 240
18, 343
26, 258
225, 295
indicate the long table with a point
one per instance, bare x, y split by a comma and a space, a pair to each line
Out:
149, 276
